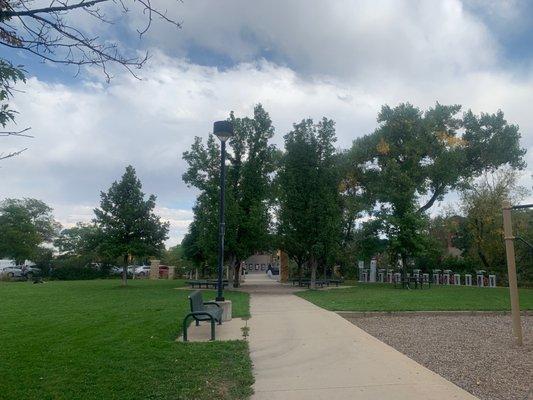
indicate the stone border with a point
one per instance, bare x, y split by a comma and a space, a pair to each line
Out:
361, 314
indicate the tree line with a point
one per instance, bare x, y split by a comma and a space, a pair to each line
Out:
124, 227
327, 206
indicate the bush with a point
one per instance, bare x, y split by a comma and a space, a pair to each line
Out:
75, 268
75, 273
459, 265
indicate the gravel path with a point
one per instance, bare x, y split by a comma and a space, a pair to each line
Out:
474, 352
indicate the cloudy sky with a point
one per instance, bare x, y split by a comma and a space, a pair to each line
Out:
299, 58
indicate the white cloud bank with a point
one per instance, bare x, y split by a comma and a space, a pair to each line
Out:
86, 134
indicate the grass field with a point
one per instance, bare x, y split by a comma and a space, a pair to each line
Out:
97, 340
384, 297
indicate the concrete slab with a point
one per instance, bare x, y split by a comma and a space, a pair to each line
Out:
301, 351
230, 330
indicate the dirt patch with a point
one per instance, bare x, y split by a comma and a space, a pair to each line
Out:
476, 352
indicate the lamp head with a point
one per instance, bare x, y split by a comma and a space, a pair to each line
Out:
223, 130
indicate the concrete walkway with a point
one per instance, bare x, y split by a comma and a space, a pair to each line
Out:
301, 351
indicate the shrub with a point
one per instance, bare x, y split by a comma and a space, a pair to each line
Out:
75, 273
75, 268
459, 265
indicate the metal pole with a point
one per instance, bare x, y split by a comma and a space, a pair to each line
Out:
511, 271
220, 295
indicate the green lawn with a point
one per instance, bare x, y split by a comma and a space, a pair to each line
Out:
384, 297
97, 340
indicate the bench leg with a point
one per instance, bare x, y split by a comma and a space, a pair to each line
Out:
185, 328
197, 323
212, 329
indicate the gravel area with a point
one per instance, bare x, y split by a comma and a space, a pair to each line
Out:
475, 352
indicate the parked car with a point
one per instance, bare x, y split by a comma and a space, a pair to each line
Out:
142, 271
114, 270
163, 272
29, 271
11, 271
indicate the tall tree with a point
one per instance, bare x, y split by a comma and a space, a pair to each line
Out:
80, 240
309, 215
25, 225
249, 188
413, 159
251, 164
481, 231
128, 222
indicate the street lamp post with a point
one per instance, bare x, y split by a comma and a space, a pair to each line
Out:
223, 130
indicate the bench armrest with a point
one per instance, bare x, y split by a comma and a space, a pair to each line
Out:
211, 302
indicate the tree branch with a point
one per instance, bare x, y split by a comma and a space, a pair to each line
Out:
47, 10
16, 133
431, 201
9, 155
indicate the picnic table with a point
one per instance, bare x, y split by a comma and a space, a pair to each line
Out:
318, 282
418, 281
206, 283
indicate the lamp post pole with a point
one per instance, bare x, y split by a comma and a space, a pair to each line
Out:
220, 295
223, 130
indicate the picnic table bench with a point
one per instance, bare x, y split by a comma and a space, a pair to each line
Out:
206, 282
418, 282
319, 282
202, 311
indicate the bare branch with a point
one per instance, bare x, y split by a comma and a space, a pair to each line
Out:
16, 133
48, 10
46, 33
9, 155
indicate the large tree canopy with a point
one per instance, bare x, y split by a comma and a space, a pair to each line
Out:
25, 225
81, 240
128, 223
414, 158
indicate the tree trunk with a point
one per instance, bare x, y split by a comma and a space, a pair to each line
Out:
231, 268
125, 271
404, 265
484, 260
300, 265
313, 263
237, 274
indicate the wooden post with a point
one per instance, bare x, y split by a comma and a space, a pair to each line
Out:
511, 271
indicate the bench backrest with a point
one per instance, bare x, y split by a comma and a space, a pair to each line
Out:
197, 302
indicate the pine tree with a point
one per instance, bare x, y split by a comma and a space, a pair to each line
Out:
128, 222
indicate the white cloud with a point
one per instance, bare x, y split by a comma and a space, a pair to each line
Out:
354, 39
346, 60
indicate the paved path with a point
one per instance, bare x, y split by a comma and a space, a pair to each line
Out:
301, 351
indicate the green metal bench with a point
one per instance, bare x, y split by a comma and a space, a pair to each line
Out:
202, 311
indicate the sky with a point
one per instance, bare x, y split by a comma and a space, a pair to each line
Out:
299, 58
